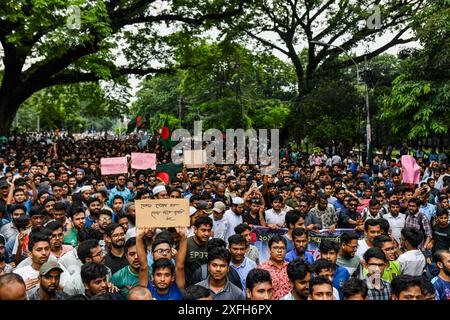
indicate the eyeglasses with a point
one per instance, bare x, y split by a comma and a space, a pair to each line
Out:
105, 219
376, 264
162, 251
100, 254
122, 179
119, 235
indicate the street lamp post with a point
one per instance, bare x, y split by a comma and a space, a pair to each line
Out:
368, 126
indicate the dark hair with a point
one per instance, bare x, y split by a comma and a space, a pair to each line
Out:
241, 228
110, 229
277, 198
413, 236
163, 263
354, 286
129, 243
404, 282
93, 270
427, 287
118, 196
219, 253
277, 238
119, 216
236, 239
372, 223
88, 233
105, 212
441, 212
373, 202
322, 264
297, 270
292, 217
438, 256
328, 245
161, 240
317, 281
196, 292
60, 206
36, 237
394, 203
384, 225
374, 253
92, 200
256, 276
215, 243
75, 210
84, 249
348, 237
380, 240
416, 201
54, 225
15, 207
298, 232
11, 278
36, 211
203, 220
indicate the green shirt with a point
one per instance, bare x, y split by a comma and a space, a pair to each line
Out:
71, 238
391, 271
125, 279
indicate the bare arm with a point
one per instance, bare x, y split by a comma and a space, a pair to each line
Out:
180, 259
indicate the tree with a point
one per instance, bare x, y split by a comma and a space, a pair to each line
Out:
40, 49
419, 102
298, 24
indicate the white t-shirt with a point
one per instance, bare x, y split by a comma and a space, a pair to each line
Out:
362, 248
220, 227
396, 224
233, 220
412, 262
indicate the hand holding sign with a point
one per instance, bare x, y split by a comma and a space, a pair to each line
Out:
143, 161
113, 165
162, 213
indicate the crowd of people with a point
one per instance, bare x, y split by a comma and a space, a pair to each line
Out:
67, 232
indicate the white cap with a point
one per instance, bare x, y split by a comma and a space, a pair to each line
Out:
85, 188
192, 210
237, 200
159, 188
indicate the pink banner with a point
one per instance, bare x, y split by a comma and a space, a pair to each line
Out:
114, 165
143, 161
410, 169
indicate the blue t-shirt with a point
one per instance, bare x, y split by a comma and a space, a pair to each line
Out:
173, 294
442, 288
292, 255
341, 275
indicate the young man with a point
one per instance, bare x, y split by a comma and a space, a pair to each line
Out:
329, 251
375, 261
39, 248
10, 230
441, 231
320, 288
220, 224
417, 220
372, 229
252, 252
163, 286
196, 247
442, 281
217, 282
277, 267
396, 219
412, 262
299, 274
78, 219
275, 216
58, 249
300, 239
406, 287
234, 215
120, 189
237, 245
49, 278
94, 277
347, 257
386, 244
325, 268
355, 289
115, 259
259, 285
326, 214
293, 219
92, 212
350, 217
196, 292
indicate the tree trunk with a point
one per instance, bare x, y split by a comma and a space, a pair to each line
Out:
8, 110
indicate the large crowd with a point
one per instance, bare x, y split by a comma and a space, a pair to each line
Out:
67, 232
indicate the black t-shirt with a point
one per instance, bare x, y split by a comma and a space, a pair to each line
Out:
115, 263
195, 257
247, 218
441, 238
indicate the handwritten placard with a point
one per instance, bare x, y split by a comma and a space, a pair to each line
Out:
194, 158
114, 165
162, 213
143, 161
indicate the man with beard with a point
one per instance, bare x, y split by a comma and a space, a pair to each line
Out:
299, 274
78, 219
128, 277
300, 240
197, 247
350, 218
92, 214
325, 212
104, 220
49, 277
10, 230
217, 282
442, 281
58, 249
115, 259
4, 267
234, 215
347, 252
39, 248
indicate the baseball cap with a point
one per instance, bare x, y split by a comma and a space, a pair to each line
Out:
237, 200
85, 188
4, 184
219, 207
49, 266
192, 211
